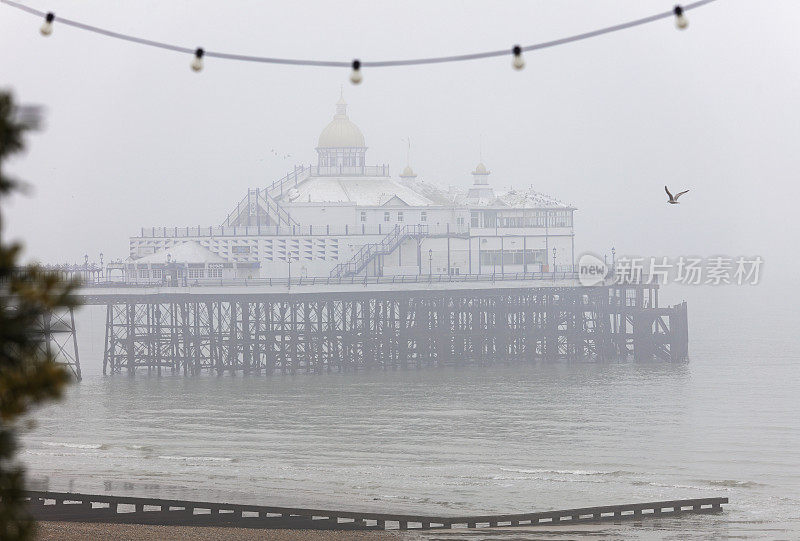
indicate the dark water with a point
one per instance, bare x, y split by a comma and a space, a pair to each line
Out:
501, 439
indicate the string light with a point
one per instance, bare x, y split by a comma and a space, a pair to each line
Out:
197, 63
47, 25
518, 61
680, 19
355, 75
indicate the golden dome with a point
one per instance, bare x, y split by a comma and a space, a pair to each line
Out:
480, 170
341, 132
407, 172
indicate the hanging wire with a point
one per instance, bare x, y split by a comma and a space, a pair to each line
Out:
364, 63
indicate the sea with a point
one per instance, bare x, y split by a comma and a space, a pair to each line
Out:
492, 439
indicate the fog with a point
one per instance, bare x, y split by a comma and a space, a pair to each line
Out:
135, 138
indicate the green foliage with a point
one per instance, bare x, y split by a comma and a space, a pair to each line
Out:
29, 374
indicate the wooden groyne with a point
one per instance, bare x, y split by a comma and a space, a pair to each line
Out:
70, 507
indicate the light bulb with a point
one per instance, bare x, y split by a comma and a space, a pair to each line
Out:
680, 19
197, 63
355, 75
518, 62
47, 25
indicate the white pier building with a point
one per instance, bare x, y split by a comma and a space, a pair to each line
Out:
341, 218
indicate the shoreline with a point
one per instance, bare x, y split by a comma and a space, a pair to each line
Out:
79, 531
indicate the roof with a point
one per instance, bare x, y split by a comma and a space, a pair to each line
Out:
530, 198
363, 191
480, 170
482, 196
341, 132
186, 252
429, 190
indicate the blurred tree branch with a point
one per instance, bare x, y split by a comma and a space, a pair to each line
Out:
29, 375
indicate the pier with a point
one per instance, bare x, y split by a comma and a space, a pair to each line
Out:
64, 506
259, 330
59, 339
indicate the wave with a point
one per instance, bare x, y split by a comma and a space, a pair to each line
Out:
143, 448
666, 485
77, 454
732, 483
565, 472
714, 484
196, 458
545, 478
74, 445
32, 452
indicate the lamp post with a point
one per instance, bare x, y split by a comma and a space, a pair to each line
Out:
289, 279
102, 274
613, 257
169, 271
554, 263
430, 263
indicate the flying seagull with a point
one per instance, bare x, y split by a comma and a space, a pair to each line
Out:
673, 199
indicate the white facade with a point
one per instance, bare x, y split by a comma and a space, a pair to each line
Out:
344, 217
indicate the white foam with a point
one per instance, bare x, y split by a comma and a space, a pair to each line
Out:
196, 458
73, 445
563, 472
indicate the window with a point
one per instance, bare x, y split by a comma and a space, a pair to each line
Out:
144, 273
386, 217
157, 274
511, 221
538, 219
363, 215
460, 220
423, 217
196, 273
512, 257
215, 272
474, 219
400, 216
561, 218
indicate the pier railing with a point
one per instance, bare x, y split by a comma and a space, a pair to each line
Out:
69, 507
312, 230
349, 280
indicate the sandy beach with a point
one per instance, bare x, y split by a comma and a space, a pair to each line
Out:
80, 531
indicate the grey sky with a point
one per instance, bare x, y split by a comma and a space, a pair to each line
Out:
134, 138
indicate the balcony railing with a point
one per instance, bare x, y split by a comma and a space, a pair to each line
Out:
350, 170
296, 230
